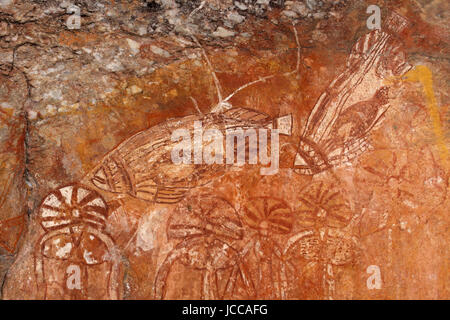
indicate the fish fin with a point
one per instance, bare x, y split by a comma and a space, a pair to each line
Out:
170, 194
349, 151
145, 189
284, 124
245, 114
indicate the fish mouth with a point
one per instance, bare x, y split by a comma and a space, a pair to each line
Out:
99, 180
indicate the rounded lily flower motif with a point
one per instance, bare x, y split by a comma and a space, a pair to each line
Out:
73, 204
207, 216
74, 242
207, 226
323, 206
268, 215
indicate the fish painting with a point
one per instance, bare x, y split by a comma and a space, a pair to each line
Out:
142, 167
338, 127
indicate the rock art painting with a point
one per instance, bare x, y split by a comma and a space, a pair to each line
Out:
74, 259
224, 150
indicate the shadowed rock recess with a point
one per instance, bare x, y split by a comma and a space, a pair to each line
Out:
251, 149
